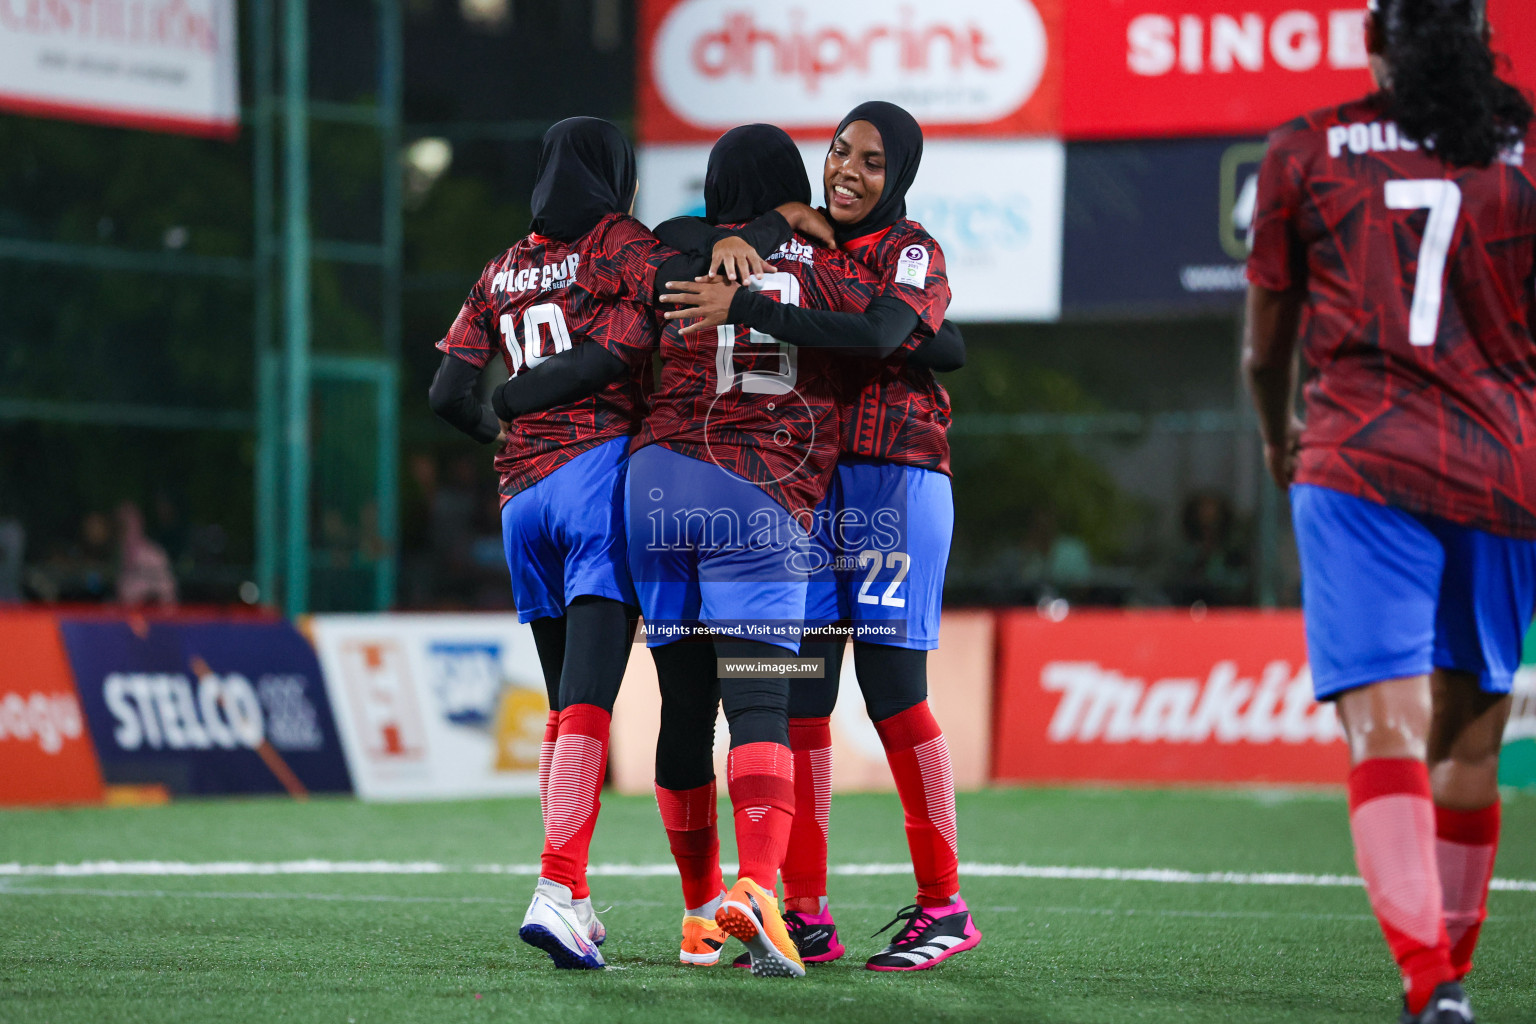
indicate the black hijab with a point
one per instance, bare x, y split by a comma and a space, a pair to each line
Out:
751, 170
586, 171
903, 142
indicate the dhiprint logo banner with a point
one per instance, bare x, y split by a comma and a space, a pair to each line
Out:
961, 67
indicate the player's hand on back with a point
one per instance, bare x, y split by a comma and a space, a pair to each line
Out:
704, 300
809, 222
1281, 457
738, 260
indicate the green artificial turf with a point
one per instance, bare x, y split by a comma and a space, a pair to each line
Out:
443, 947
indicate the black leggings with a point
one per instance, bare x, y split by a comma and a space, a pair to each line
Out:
892, 679
692, 690
583, 652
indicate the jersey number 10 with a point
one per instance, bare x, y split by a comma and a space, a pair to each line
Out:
1443, 201
535, 320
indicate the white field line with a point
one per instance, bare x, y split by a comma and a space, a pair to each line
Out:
1166, 876
10, 889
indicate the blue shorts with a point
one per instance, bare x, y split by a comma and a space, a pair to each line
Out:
888, 528
564, 536
710, 549
1389, 594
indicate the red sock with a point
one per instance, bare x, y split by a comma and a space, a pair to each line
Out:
919, 759
688, 815
546, 757
576, 774
1465, 844
805, 864
762, 783
1392, 819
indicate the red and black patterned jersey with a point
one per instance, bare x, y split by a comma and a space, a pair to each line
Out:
544, 296
897, 412
765, 410
1417, 321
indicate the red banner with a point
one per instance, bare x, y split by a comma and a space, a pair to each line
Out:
963, 67
1138, 68
46, 755
1160, 696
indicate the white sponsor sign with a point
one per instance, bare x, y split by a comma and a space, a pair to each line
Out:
1000, 228
719, 63
434, 705
165, 65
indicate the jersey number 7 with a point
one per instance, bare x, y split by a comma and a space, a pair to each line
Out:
1443, 201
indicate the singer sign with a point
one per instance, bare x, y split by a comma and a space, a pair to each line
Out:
965, 67
1149, 68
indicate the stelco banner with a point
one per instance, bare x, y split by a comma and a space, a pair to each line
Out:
1161, 697
233, 706
164, 65
962, 67
1137, 68
435, 705
1000, 230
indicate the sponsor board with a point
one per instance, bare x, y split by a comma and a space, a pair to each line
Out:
1161, 697
435, 706
162, 65
964, 67
46, 756
961, 698
1149, 68
1517, 765
206, 707
1158, 225
1001, 231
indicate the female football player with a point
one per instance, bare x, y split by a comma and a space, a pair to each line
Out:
1394, 243
583, 280
887, 525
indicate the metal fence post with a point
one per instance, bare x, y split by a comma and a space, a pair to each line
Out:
296, 326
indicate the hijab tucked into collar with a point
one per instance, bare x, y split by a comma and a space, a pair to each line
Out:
586, 171
903, 142
751, 170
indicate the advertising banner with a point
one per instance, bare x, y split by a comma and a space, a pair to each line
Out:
206, 707
435, 706
960, 694
1161, 697
46, 755
1001, 231
1151, 68
162, 65
1158, 226
963, 67
1517, 765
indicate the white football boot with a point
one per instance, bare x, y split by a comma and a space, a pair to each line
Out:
587, 916
554, 925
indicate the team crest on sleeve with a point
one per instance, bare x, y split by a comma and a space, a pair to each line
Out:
912, 267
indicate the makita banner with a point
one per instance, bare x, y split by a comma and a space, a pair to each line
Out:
206, 707
46, 755
962, 67
1160, 696
1138, 68
163, 65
